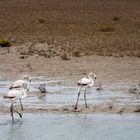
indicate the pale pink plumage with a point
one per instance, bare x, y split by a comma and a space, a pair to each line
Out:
21, 83
87, 81
16, 94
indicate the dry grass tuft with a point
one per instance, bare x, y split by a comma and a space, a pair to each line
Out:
76, 53
105, 27
64, 56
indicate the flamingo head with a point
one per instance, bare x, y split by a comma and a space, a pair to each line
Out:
92, 74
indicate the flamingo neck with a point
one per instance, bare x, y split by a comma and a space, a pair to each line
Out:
24, 93
92, 82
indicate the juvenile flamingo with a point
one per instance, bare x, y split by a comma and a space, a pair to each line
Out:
85, 82
14, 95
20, 83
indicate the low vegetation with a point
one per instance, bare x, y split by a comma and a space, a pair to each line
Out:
91, 27
4, 42
64, 56
105, 27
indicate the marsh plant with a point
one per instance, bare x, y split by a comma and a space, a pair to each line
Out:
105, 27
64, 56
4, 42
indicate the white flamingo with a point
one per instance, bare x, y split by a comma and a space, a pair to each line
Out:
20, 83
85, 82
13, 95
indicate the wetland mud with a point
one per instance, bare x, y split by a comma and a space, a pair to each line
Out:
61, 98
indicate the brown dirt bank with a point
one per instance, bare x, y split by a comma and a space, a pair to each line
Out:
107, 69
85, 27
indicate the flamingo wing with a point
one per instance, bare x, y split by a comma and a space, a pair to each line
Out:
18, 83
84, 81
13, 94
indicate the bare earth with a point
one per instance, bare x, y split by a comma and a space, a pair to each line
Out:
85, 26
107, 69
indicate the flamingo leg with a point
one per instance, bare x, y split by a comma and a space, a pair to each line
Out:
18, 113
78, 97
85, 98
11, 110
21, 104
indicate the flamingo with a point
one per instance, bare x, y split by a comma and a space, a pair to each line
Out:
20, 83
14, 95
85, 82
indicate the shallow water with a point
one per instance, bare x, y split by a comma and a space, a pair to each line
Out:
71, 127
60, 93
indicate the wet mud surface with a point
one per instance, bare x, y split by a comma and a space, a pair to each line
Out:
112, 113
61, 97
115, 75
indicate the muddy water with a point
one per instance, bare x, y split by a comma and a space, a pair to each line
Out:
71, 127
84, 125
62, 93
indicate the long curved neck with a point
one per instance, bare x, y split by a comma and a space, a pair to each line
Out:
92, 82
24, 93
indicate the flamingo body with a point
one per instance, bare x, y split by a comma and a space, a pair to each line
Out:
21, 83
85, 82
13, 95
16, 94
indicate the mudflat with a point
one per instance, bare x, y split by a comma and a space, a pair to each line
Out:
64, 41
116, 75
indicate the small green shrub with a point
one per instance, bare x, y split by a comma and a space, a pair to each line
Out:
105, 28
4, 43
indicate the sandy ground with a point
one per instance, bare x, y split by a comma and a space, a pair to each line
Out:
107, 69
